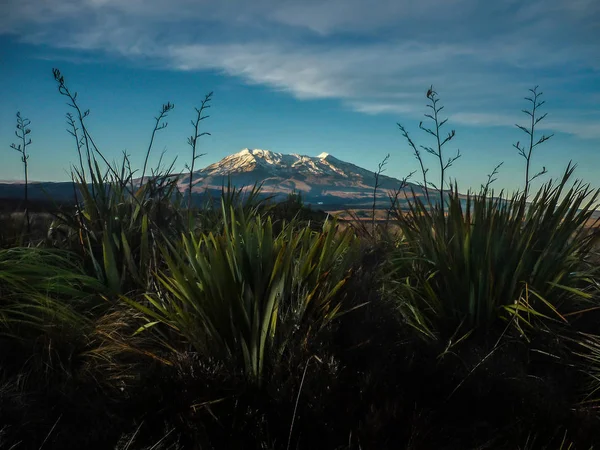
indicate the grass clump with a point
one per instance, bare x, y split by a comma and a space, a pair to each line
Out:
492, 257
239, 297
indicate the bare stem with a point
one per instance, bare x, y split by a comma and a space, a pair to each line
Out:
440, 142
166, 108
380, 170
417, 154
491, 178
526, 152
22, 132
64, 90
74, 131
193, 142
396, 194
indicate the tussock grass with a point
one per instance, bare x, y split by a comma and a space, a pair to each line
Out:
242, 295
492, 257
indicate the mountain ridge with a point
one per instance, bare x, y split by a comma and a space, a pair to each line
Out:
322, 179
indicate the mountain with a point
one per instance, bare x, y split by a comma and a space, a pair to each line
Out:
323, 180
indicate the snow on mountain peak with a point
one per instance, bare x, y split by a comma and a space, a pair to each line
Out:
281, 165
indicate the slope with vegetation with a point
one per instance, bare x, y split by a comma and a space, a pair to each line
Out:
136, 320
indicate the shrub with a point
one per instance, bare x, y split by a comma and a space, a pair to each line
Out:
241, 297
496, 257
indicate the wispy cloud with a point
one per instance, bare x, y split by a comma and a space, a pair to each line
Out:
374, 58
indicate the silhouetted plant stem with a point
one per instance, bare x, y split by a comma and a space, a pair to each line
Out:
64, 90
193, 142
396, 193
491, 178
527, 152
380, 170
166, 108
73, 131
417, 154
437, 152
21, 132
87, 139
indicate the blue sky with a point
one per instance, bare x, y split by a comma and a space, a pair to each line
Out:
305, 77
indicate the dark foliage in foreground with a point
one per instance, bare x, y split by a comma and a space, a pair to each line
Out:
134, 320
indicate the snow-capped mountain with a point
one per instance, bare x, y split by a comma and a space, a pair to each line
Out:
321, 178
